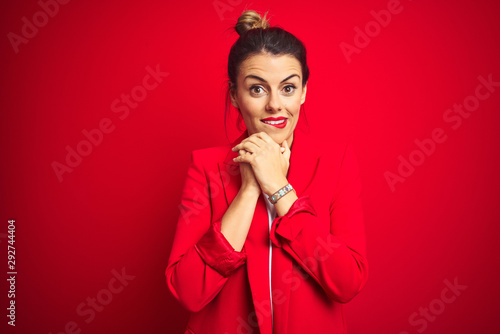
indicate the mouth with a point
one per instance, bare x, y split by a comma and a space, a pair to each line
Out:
279, 122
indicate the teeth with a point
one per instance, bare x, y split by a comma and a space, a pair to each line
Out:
275, 122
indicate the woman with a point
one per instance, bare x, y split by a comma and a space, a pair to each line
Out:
270, 238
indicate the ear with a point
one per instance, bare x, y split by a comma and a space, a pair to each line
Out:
232, 94
303, 97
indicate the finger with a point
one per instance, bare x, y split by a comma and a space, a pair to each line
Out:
243, 152
269, 141
264, 136
256, 139
243, 156
252, 139
248, 146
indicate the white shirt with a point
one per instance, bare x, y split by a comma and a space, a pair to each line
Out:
271, 212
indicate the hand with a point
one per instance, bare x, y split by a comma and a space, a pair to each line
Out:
269, 160
249, 183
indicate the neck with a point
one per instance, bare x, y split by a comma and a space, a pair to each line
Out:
289, 141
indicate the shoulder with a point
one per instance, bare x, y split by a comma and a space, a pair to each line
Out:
210, 155
214, 152
333, 149
339, 154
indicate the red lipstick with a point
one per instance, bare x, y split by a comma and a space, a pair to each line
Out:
277, 122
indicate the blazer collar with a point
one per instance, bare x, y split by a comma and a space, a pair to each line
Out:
230, 154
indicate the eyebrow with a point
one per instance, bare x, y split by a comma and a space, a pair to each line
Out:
259, 78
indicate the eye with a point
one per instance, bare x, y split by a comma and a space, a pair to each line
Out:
256, 90
289, 89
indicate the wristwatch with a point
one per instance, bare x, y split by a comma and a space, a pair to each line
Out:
280, 193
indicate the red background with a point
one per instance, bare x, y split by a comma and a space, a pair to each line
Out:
118, 208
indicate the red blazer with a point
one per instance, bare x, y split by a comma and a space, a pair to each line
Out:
318, 247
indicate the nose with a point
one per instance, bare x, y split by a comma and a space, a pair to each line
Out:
274, 102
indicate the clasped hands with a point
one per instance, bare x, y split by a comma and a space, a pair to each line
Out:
263, 163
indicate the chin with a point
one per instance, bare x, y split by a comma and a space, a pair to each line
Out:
278, 138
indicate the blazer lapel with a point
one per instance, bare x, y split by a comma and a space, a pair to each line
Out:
303, 163
230, 171
256, 244
304, 160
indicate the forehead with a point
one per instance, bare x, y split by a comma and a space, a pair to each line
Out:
270, 66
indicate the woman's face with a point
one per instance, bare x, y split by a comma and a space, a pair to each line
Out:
269, 90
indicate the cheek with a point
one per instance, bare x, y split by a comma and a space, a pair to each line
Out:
252, 107
294, 106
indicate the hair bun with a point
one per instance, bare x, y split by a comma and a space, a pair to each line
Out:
250, 19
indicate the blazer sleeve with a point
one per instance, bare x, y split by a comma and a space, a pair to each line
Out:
201, 259
336, 260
